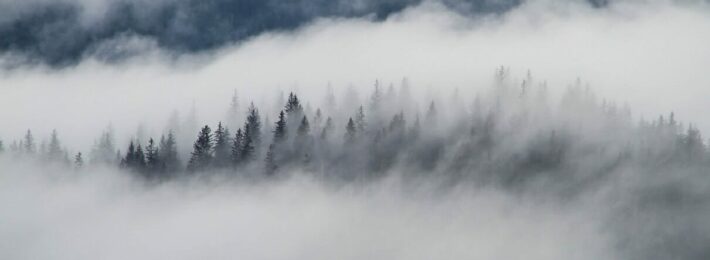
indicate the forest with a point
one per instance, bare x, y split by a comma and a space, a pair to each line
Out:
512, 134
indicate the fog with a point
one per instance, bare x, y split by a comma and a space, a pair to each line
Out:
105, 215
496, 130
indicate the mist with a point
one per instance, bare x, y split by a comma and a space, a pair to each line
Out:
458, 129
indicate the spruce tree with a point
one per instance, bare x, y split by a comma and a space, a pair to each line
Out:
129, 160
270, 166
2, 147
169, 154
252, 127
139, 159
327, 128
237, 144
280, 129
152, 159
54, 152
78, 161
247, 151
350, 131
304, 128
360, 120
29, 143
222, 144
201, 155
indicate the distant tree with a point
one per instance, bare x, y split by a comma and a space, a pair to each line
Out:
293, 105
329, 100
201, 156
222, 144
360, 120
431, 113
246, 153
78, 161
237, 144
280, 129
139, 159
304, 128
29, 143
327, 129
128, 159
350, 131
233, 111
169, 153
317, 120
294, 112
104, 150
2, 147
270, 166
376, 98
252, 127
54, 151
154, 165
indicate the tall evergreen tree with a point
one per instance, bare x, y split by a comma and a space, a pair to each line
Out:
270, 166
201, 156
104, 150
237, 145
280, 129
29, 143
54, 151
154, 165
252, 127
360, 120
78, 161
304, 128
350, 131
222, 144
139, 159
2, 147
169, 153
327, 129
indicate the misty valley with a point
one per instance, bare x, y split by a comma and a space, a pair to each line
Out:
368, 129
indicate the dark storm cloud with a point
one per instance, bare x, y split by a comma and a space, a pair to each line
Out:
58, 33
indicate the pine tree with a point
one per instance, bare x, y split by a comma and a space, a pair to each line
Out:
221, 147
280, 129
376, 98
360, 120
128, 162
54, 152
304, 128
104, 150
169, 153
247, 150
237, 144
2, 147
327, 128
78, 161
152, 159
294, 112
270, 166
139, 159
29, 143
252, 127
350, 131
201, 156
317, 120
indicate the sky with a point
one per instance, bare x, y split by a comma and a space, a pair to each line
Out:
648, 54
